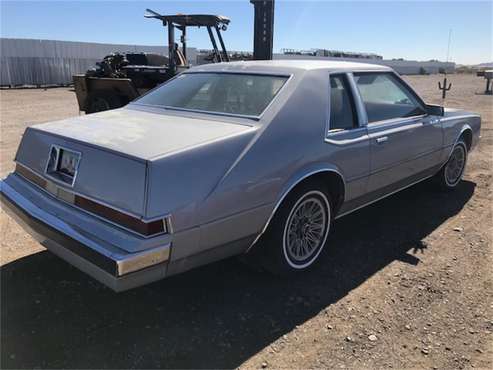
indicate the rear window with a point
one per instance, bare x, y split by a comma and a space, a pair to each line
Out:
237, 94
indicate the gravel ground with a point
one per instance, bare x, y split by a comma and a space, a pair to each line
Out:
405, 283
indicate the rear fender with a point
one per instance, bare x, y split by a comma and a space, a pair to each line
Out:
294, 180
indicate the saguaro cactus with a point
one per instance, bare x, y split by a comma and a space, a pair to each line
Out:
444, 88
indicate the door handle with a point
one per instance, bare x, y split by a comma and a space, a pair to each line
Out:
432, 121
381, 140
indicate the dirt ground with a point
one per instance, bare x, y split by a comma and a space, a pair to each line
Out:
404, 283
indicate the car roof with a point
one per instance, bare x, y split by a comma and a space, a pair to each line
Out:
290, 66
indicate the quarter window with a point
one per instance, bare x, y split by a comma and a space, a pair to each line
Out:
342, 112
385, 97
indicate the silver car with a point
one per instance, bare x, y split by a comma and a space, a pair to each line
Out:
255, 158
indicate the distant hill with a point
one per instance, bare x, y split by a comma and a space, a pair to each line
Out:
484, 65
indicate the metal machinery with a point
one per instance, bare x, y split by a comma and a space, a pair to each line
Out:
120, 78
488, 76
263, 29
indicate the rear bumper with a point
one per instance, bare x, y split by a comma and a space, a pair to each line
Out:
106, 263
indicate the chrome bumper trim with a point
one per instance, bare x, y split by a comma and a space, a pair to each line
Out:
93, 257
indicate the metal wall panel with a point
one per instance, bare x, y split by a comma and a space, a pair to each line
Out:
405, 67
51, 62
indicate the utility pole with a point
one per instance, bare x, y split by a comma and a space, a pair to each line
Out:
263, 29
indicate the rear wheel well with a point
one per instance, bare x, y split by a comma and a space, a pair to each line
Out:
334, 186
467, 136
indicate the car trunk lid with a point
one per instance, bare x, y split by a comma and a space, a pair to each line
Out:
116, 149
141, 134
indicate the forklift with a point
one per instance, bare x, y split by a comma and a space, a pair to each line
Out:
120, 78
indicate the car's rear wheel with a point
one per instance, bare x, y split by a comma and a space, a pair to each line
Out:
451, 173
298, 231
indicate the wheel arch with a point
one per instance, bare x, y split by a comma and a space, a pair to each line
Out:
466, 133
336, 186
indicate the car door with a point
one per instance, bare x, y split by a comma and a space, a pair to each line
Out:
346, 136
405, 142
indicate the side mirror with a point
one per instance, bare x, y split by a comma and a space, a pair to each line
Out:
435, 110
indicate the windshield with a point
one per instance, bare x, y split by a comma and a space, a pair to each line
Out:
238, 94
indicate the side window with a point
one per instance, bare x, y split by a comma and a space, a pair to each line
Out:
342, 112
385, 97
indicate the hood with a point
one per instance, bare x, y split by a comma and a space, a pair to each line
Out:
140, 134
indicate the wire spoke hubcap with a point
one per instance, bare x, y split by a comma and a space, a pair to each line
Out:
455, 165
306, 229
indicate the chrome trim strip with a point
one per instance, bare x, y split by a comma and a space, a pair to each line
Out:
460, 117
393, 130
179, 109
142, 260
278, 203
197, 70
328, 138
124, 262
360, 106
382, 197
396, 120
359, 110
360, 115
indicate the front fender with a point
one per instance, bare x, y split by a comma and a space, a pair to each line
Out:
454, 124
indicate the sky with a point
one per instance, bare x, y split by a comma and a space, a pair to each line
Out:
417, 30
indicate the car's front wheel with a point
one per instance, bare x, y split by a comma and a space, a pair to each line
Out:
451, 173
298, 231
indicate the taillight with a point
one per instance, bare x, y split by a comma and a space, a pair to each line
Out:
119, 218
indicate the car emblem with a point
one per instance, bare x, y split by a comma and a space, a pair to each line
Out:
62, 165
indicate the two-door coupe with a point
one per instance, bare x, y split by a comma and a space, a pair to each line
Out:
227, 159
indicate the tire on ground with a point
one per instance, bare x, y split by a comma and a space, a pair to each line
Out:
103, 100
444, 179
273, 251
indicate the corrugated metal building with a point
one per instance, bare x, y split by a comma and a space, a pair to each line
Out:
51, 62
404, 67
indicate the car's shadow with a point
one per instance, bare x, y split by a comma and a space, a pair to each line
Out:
217, 316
